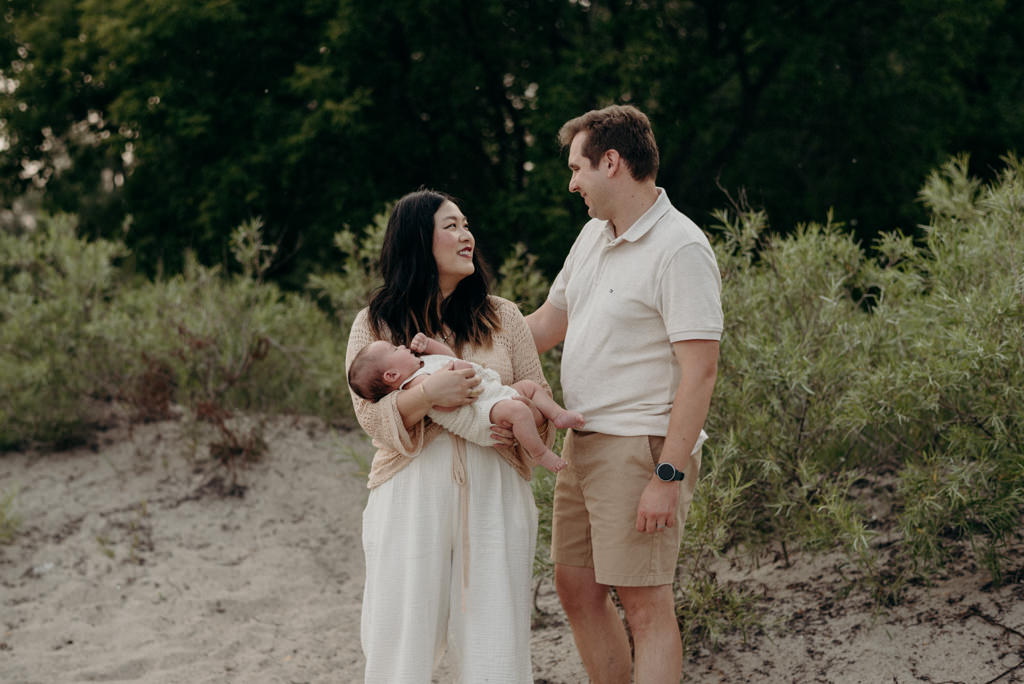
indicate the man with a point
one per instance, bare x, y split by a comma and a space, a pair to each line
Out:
638, 305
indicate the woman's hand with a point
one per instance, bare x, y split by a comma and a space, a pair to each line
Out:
502, 434
452, 388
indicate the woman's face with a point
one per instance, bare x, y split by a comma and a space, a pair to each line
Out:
453, 247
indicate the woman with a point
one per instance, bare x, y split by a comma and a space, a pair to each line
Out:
449, 530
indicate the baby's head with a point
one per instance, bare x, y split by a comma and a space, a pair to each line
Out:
380, 368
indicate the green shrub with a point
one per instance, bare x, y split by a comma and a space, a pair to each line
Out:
520, 281
794, 341
956, 373
835, 364
706, 608
55, 288
74, 328
347, 289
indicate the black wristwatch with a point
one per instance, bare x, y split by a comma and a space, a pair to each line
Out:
667, 472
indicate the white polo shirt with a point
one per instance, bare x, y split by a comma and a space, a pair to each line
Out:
628, 299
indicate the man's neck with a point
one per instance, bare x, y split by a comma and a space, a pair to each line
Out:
633, 203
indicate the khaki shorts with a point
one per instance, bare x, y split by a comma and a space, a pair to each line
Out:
596, 497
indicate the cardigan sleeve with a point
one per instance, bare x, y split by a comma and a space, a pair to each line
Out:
522, 351
380, 420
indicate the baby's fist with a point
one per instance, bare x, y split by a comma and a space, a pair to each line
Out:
419, 343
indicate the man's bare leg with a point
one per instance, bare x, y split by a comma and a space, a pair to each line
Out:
596, 626
658, 647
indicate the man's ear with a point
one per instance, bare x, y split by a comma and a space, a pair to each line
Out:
610, 162
391, 376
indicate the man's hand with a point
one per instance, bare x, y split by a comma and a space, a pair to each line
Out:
657, 508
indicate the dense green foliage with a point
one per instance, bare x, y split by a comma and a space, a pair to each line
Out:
849, 383
75, 328
839, 371
184, 119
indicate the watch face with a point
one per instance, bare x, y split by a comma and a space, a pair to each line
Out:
668, 472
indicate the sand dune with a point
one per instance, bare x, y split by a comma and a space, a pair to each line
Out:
128, 569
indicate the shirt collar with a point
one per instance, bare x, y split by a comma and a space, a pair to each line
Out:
642, 224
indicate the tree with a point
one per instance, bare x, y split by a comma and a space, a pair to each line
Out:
191, 118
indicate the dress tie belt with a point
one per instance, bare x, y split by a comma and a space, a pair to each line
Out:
459, 476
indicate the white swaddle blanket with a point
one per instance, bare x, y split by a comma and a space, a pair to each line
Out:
472, 422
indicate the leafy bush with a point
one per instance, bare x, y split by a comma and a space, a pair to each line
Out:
708, 609
795, 341
835, 364
55, 287
954, 375
347, 289
76, 328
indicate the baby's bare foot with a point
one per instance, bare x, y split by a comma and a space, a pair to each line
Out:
552, 461
569, 419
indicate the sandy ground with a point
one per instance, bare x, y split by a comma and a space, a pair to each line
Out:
127, 569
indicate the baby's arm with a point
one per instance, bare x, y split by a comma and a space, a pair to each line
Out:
421, 344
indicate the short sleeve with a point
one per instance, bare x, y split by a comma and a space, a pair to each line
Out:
689, 295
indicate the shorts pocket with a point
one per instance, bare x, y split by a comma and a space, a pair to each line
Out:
654, 445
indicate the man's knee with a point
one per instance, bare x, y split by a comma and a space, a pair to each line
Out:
647, 607
578, 591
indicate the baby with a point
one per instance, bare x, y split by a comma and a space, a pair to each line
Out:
381, 368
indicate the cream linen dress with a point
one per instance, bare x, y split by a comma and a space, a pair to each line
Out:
449, 533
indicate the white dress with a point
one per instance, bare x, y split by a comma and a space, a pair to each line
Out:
416, 600
449, 534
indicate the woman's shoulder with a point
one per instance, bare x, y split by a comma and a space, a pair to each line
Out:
513, 324
361, 332
507, 309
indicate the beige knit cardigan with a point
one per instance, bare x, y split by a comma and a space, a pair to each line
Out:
512, 354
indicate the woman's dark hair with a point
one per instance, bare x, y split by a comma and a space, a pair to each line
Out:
410, 301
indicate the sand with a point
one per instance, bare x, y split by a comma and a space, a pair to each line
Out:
130, 566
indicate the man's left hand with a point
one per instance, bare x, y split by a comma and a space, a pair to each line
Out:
657, 508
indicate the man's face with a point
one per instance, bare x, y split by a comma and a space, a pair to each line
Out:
588, 180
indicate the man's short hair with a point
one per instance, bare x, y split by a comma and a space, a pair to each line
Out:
622, 128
